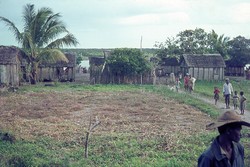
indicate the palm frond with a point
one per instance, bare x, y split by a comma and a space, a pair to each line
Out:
51, 29
51, 56
28, 16
12, 28
67, 40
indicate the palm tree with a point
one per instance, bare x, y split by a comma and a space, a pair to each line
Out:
219, 43
40, 37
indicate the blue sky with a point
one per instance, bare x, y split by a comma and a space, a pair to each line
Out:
122, 23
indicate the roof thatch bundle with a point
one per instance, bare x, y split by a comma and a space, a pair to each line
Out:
10, 55
204, 60
71, 62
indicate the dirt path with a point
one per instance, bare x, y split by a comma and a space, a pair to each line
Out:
220, 105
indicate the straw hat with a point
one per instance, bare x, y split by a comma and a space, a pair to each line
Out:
226, 118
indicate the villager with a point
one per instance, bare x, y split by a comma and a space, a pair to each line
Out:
225, 150
177, 84
186, 80
191, 83
235, 100
242, 103
227, 91
216, 95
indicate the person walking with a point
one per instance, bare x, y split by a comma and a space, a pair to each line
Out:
177, 84
216, 95
186, 81
242, 103
227, 91
225, 150
236, 100
191, 84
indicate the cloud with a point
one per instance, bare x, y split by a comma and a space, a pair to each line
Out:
241, 13
156, 19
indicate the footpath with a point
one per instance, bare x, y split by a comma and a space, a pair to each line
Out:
220, 105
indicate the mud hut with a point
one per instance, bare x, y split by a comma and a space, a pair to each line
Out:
203, 66
10, 65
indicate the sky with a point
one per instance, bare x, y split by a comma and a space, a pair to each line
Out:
125, 23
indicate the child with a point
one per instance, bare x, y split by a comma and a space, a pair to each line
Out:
242, 103
216, 95
235, 99
186, 81
177, 84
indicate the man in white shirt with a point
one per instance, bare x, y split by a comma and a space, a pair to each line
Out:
227, 91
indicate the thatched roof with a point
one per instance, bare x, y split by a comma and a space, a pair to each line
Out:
72, 62
96, 61
232, 63
203, 60
10, 55
170, 61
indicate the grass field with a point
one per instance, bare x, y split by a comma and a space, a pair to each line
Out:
206, 88
140, 125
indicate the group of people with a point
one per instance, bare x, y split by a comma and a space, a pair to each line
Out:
189, 83
238, 101
226, 150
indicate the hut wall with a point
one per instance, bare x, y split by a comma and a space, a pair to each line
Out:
201, 74
211, 74
235, 71
195, 72
206, 73
56, 73
9, 75
170, 69
44, 74
69, 74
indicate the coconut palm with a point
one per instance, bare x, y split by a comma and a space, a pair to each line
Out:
43, 34
219, 43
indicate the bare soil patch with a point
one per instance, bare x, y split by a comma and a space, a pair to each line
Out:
66, 115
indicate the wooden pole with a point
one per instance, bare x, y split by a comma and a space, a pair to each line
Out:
91, 127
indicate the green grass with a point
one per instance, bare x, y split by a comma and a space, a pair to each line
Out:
126, 150
206, 88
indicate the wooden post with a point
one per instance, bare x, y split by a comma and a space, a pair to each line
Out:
91, 127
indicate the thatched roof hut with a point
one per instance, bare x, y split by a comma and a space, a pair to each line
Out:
204, 66
10, 64
61, 70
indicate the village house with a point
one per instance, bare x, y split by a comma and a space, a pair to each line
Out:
203, 66
233, 69
60, 71
10, 66
167, 66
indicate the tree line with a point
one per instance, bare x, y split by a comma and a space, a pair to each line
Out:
198, 41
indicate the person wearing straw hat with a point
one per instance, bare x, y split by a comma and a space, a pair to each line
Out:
225, 150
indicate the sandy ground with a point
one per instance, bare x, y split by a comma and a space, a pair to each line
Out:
66, 115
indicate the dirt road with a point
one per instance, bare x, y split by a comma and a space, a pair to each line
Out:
220, 105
